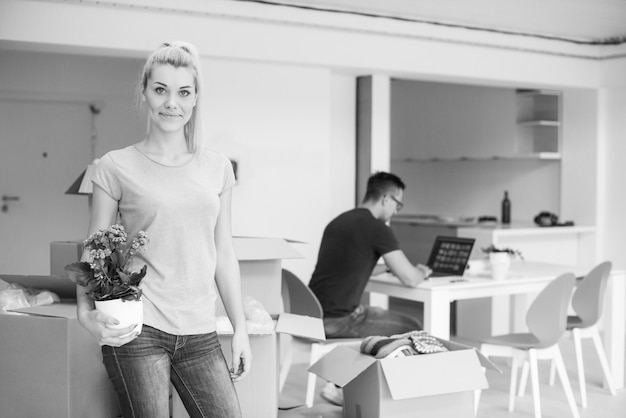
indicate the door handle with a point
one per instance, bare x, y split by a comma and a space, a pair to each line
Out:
5, 199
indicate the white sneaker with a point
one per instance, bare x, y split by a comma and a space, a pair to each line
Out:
332, 394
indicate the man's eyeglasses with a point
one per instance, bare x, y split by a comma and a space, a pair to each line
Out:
399, 205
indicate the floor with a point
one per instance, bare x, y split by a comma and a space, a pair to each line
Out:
493, 401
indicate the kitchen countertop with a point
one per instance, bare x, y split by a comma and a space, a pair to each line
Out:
516, 228
435, 220
529, 228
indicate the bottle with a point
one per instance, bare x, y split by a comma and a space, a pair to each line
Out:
506, 209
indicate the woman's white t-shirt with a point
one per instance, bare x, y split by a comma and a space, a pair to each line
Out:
178, 207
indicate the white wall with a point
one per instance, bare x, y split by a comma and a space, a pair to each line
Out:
108, 82
611, 202
476, 187
276, 122
580, 151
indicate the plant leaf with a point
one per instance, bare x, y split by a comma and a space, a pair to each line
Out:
125, 278
135, 278
79, 272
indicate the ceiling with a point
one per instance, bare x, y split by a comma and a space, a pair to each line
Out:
581, 21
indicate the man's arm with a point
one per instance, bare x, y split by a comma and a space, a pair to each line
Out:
400, 266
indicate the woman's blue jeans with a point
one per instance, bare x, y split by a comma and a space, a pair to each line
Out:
141, 372
365, 321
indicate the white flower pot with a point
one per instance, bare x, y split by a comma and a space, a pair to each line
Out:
499, 263
127, 312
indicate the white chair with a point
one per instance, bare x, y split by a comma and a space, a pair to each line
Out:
299, 299
546, 319
587, 303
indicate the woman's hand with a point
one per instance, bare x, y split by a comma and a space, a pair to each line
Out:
242, 356
101, 327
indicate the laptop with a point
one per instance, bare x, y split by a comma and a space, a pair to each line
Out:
449, 256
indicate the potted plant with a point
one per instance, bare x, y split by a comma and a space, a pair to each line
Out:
500, 259
109, 277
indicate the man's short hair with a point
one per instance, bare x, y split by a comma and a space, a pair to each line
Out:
381, 183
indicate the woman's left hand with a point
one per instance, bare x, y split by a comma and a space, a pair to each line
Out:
242, 356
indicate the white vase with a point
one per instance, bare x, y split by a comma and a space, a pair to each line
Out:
499, 263
127, 312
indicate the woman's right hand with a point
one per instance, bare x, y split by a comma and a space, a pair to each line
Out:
101, 327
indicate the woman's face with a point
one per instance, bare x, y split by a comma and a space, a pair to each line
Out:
170, 96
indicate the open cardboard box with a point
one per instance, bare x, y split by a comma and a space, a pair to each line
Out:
430, 385
50, 366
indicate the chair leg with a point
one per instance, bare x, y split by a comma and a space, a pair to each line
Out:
523, 380
552, 377
578, 351
512, 385
560, 368
534, 381
597, 342
316, 353
477, 394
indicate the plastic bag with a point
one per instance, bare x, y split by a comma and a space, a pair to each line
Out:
258, 320
15, 297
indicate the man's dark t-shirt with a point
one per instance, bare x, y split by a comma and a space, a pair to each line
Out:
351, 246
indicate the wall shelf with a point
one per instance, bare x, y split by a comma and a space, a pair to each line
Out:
538, 121
527, 156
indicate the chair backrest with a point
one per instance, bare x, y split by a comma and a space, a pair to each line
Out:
547, 315
589, 294
298, 298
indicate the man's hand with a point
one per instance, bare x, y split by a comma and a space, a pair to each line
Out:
424, 270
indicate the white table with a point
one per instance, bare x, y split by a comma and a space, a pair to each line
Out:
525, 279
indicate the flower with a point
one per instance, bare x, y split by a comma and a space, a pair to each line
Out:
108, 275
493, 249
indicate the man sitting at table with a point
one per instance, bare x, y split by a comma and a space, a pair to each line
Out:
351, 246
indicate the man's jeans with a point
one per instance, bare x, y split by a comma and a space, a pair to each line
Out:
366, 321
142, 369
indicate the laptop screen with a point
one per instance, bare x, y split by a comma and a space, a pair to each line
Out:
449, 255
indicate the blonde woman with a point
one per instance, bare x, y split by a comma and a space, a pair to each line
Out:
178, 191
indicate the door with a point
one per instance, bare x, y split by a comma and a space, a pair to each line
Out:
44, 147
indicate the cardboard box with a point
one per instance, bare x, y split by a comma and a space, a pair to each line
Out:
429, 385
62, 286
50, 366
63, 253
260, 263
